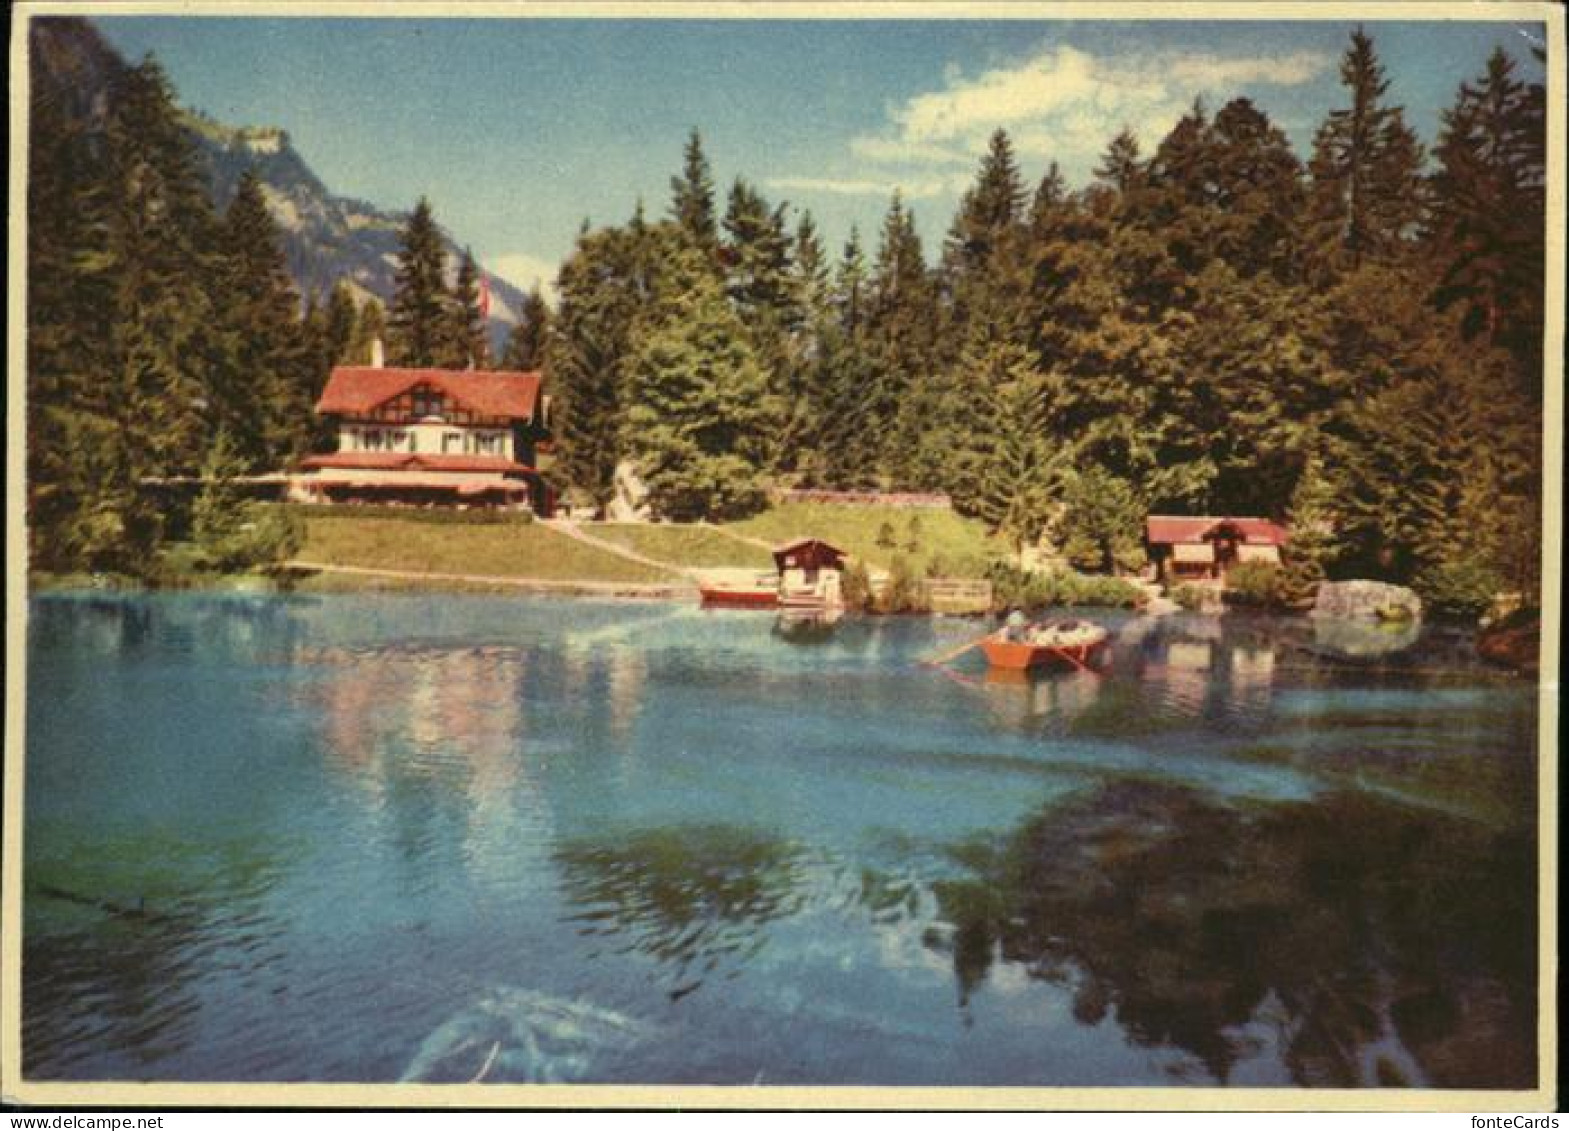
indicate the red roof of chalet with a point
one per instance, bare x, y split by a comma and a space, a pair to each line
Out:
357, 389
1167, 529
413, 461
814, 553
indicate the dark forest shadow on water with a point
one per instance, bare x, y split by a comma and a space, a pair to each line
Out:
693, 898
113, 935
1370, 943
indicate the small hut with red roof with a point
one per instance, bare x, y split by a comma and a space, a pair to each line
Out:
1206, 547
430, 437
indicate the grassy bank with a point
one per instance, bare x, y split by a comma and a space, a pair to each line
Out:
490, 549
695, 547
377, 548
877, 534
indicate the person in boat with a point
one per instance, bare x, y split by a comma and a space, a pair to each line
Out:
1015, 626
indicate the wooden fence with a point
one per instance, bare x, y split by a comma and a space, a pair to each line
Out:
906, 499
959, 594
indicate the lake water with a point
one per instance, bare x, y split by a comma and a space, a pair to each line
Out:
448, 838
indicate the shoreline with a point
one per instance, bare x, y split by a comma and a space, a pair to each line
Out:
441, 581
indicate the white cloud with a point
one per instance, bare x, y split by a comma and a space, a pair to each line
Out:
910, 190
523, 271
1066, 104
1212, 72
902, 151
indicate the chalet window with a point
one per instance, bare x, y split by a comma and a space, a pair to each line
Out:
428, 402
451, 442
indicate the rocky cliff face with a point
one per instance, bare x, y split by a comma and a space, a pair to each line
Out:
325, 237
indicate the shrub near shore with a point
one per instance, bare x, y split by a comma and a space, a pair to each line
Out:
1015, 588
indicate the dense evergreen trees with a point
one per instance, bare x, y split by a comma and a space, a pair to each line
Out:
1353, 343
155, 325
1217, 327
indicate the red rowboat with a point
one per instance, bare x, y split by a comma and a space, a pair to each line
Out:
761, 592
1064, 643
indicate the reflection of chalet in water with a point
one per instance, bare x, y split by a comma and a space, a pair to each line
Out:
1205, 548
429, 437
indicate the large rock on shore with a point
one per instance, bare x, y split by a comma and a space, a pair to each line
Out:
630, 501
1366, 600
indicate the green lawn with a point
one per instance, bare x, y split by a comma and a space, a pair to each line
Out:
489, 549
695, 547
962, 545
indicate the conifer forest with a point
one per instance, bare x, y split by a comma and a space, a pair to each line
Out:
1349, 340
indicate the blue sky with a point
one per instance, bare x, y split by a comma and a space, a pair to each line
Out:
519, 129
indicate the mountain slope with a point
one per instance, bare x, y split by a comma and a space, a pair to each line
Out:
325, 237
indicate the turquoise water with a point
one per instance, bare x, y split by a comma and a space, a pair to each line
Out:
451, 838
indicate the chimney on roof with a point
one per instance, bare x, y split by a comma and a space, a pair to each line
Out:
378, 357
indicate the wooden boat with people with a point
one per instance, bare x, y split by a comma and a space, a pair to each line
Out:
1064, 643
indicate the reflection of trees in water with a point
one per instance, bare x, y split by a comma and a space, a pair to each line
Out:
119, 989
1378, 938
117, 938
691, 897
225, 626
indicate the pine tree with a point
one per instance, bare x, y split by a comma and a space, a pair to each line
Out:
988, 211
154, 260
262, 397
902, 337
1103, 521
231, 532
810, 276
698, 414
807, 351
1258, 194
848, 439
1007, 464
419, 329
1120, 168
1367, 192
105, 520
369, 328
1490, 212
850, 286
1254, 380
607, 289
68, 341
1050, 196
985, 260
466, 344
526, 344
1312, 522
758, 268
340, 324
692, 198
